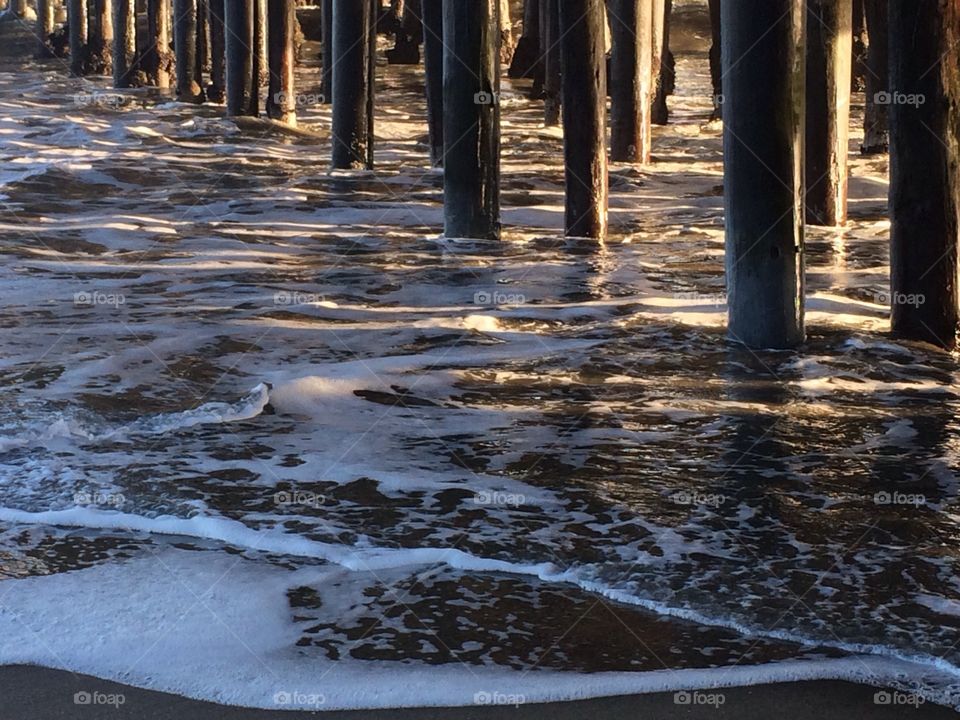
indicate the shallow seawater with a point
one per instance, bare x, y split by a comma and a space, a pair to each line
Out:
263, 430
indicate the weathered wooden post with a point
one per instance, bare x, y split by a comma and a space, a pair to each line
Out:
326, 51
716, 67
431, 13
99, 36
157, 60
77, 22
281, 27
631, 68
17, 7
45, 10
471, 119
124, 43
829, 59
203, 41
216, 91
663, 62
354, 45
763, 68
875, 137
526, 57
260, 68
550, 35
924, 165
189, 88
582, 33
238, 18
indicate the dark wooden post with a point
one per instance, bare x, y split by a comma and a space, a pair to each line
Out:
354, 43
124, 43
185, 49
582, 33
829, 57
281, 27
631, 26
664, 78
326, 78
858, 65
550, 34
526, 57
875, 136
77, 22
157, 59
716, 66
238, 18
260, 67
203, 42
45, 10
218, 78
924, 165
763, 68
431, 12
471, 118
99, 36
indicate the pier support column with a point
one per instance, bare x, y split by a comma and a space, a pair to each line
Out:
326, 51
157, 59
876, 138
124, 43
77, 24
582, 32
631, 78
716, 66
550, 34
526, 57
99, 36
238, 19
829, 60
45, 10
763, 113
354, 47
216, 90
924, 166
663, 62
281, 27
471, 118
431, 15
189, 88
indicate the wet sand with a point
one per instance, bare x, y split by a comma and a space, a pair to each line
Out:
43, 694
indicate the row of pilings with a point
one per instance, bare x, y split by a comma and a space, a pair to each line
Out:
782, 72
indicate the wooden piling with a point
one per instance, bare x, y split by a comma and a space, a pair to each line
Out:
663, 62
924, 106
238, 19
216, 90
189, 88
281, 27
583, 53
526, 57
326, 60
431, 14
631, 67
354, 46
716, 66
45, 9
77, 23
157, 60
471, 118
551, 60
875, 129
99, 36
124, 43
828, 67
763, 68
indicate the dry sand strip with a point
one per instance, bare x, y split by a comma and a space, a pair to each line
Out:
41, 694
